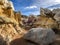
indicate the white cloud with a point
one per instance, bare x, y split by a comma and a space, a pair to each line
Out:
31, 7
34, 12
42, 3
46, 3
57, 1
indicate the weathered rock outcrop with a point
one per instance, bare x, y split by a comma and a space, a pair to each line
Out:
17, 16
46, 22
46, 12
6, 4
9, 21
56, 10
50, 18
57, 16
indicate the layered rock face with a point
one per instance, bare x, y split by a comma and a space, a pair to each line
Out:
46, 22
7, 3
9, 22
46, 12
9, 12
48, 18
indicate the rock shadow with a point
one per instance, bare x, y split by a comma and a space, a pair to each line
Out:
2, 41
21, 41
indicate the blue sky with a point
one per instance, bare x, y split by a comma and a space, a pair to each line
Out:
28, 7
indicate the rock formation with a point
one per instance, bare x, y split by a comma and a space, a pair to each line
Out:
49, 18
13, 24
46, 22
17, 16
41, 36
9, 21
7, 3
46, 12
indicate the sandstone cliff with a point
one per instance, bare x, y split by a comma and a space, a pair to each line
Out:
9, 21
